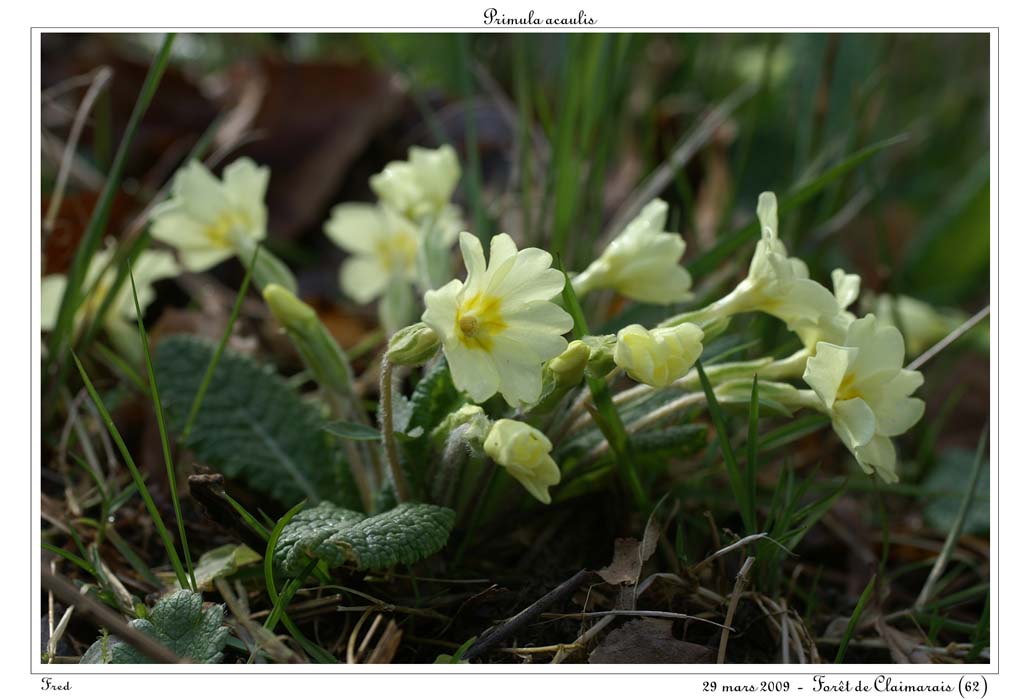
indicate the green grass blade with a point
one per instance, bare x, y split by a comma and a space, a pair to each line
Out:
981, 636
955, 531
101, 213
606, 415
800, 193
472, 170
854, 618
736, 483
750, 476
169, 465
194, 409
137, 477
73, 558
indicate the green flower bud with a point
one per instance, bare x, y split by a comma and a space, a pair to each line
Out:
413, 345
602, 354
568, 367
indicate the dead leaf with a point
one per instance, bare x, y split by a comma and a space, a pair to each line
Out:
649, 641
626, 564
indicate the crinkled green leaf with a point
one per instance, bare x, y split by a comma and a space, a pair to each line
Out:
180, 622
252, 425
403, 535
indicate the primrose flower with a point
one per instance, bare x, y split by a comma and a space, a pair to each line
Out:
525, 453
660, 356
150, 266
862, 385
778, 284
422, 185
383, 246
921, 324
642, 263
832, 328
499, 326
209, 220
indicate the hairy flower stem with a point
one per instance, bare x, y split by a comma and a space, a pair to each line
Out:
389, 438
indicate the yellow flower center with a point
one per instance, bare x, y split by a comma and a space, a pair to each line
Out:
847, 389
478, 320
397, 253
219, 232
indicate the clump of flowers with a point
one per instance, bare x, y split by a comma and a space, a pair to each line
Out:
503, 329
404, 239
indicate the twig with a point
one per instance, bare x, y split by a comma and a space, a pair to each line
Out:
209, 491
686, 149
105, 617
638, 613
741, 580
100, 79
949, 338
736, 545
493, 638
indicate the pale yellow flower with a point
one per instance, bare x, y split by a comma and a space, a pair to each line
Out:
660, 356
525, 453
383, 247
422, 185
832, 328
642, 263
862, 385
778, 284
209, 220
499, 326
118, 321
921, 324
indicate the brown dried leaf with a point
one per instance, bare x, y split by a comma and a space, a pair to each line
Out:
626, 564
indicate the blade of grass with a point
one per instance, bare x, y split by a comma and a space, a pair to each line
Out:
115, 362
800, 193
194, 409
472, 170
955, 531
314, 650
750, 476
137, 478
981, 636
855, 616
169, 465
736, 482
101, 213
73, 558
606, 415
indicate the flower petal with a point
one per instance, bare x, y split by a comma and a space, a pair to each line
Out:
363, 278
825, 370
854, 422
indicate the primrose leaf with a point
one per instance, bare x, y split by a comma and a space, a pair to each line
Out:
406, 534
180, 622
252, 425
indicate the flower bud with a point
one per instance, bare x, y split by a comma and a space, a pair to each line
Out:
602, 349
525, 453
472, 422
642, 263
660, 356
412, 345
316, 346
294, 315
568, 367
